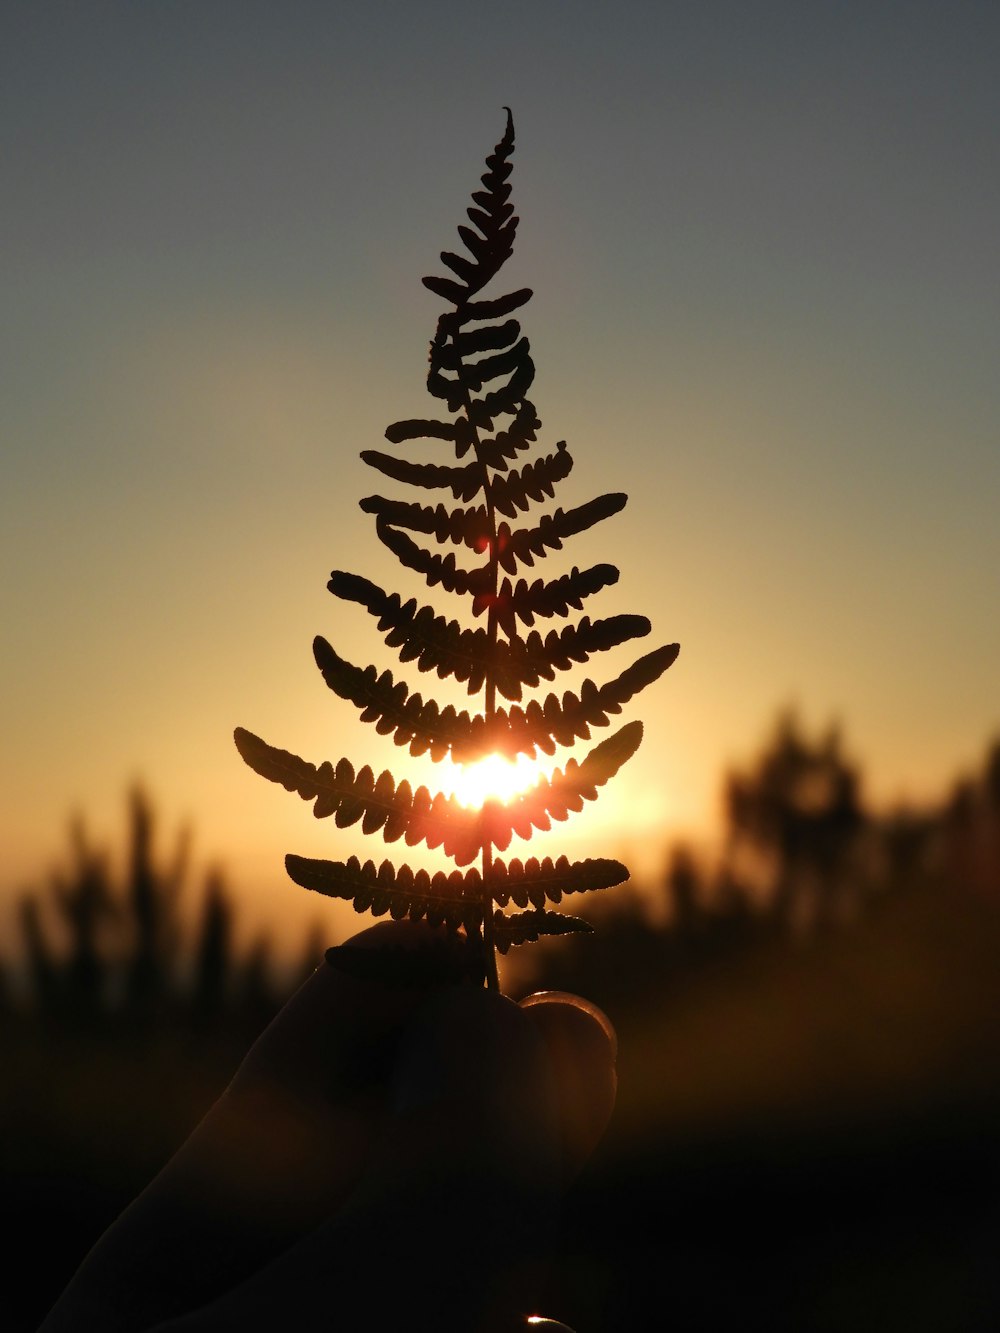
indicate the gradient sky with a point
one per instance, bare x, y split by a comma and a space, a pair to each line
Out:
764, 244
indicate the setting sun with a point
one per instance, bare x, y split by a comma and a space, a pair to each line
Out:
495, 777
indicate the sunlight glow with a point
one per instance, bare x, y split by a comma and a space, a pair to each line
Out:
495, 778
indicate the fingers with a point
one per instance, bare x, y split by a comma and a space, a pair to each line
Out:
445, 1228
582, 1049
276, 1155
432, 1121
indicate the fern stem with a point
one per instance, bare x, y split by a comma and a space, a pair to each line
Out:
490, 696
489, 948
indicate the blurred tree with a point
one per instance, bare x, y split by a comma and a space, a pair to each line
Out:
213, 948
85, 902
99, 948
256, 998
43, 972
905, 851
7, 1007
971, 829
683, 889
794, 820
152, 894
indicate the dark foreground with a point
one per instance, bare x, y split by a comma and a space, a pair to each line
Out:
807, 1137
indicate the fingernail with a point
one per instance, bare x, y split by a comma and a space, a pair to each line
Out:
582, 1048
560, 997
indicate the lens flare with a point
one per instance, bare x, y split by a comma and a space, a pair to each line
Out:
495, 778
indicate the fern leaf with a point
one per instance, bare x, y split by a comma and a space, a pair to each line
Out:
436, 569
488, 338
543, 726
524, 601
497, 224
498, 307
464, 527
533, 659
563, 793
535, 882
463, 482
421, 430
426, 728
526, 927
421, 726
535, 481
504, 401
468, 272
451, 291
505, 446
420, 635
398, 811
474, 374
440, 899
437, 644
525, 544
481, 369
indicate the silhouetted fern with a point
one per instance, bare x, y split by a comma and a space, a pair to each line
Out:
481, 371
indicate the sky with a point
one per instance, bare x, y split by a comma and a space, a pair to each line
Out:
763, 240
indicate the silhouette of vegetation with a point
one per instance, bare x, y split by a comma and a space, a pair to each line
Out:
802, 855
794, 822
102, 1081
102, 952
480, 368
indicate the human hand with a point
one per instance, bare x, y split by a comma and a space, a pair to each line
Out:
385, 1158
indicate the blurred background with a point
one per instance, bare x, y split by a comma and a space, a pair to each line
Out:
763, 242
809, 1029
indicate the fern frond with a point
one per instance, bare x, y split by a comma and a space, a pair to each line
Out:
525, 601
440, 899
492, 309
526, 927
381, 804
535, 882
533, 659
544, 725
421, 726
424, 727
419, 633
488, 338
436, 569
500, 450
472, 375
525, 544
441, 645
463, 482
513, 491
496, 222
463, 527
481, 369
563, 793
415, 429
506, 400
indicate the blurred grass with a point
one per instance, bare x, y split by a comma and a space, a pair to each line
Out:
805, 1138
900, 1011
807, 1135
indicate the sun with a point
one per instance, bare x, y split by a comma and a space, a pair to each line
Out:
494, 778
